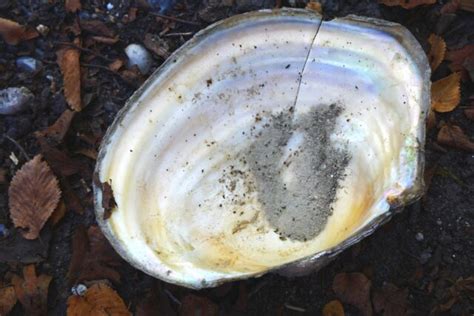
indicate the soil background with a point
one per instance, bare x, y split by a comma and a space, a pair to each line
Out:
423, 250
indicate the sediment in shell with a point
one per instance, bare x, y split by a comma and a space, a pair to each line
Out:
270, 141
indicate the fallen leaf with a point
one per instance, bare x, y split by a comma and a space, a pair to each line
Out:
68, 60
16, 249
406, 4
14, 33
354, 289
72, 5
391, 300
446, 93
453, 136
92, 257
458, 56
197, 305
466, 5
61, 163
450, 7
58, 130
437, 51
98, 300
32, 291
469, 112
70, 198
58, 213
7, 299
315, 6
431, 119
156, 300
333, 308
3, 176
97, 27
33, 195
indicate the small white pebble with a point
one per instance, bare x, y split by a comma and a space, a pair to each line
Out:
439, 222
138, 55
110, 6
79, 289
419, 236
13, 158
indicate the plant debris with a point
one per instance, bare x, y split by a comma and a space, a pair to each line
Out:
7, 299
437, 51
390, 300
453, 136
99, 299
68, 60
333, 308
14, 33
32, 291
354, 289
34, 194
446, 93
406, 4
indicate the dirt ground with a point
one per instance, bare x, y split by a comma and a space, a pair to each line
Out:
426, 251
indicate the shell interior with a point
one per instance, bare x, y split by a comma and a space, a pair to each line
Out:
268, 139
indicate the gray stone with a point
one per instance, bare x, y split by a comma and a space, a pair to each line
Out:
28, 64
14, 100
139, 56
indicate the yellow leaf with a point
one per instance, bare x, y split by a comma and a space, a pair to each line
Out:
437, 51
333, 308
446, 93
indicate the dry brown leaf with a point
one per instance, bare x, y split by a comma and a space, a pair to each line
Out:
3, 176
60, 161
458, 56
315, 6
391, 300
58, 130
99, 300
333, 308
116, 64
450, 7
354, 289
466, 5
87, 152
437, 51
72, 5
68, 61
58, 213
431, 119
32, 290
197, 305
453, 136
108, 200
157, 45
469, 112
33, 195
13, 33
446, 93
406, 4
92, 257
7, 299
97, 27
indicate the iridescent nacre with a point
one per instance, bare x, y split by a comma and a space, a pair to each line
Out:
271, 141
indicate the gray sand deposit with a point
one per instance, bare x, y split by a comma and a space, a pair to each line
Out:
297, 208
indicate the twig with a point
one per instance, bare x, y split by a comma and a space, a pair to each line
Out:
179, 34
295, 308
22, 150
172, 18
90, 51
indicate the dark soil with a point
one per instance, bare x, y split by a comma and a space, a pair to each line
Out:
425, 248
